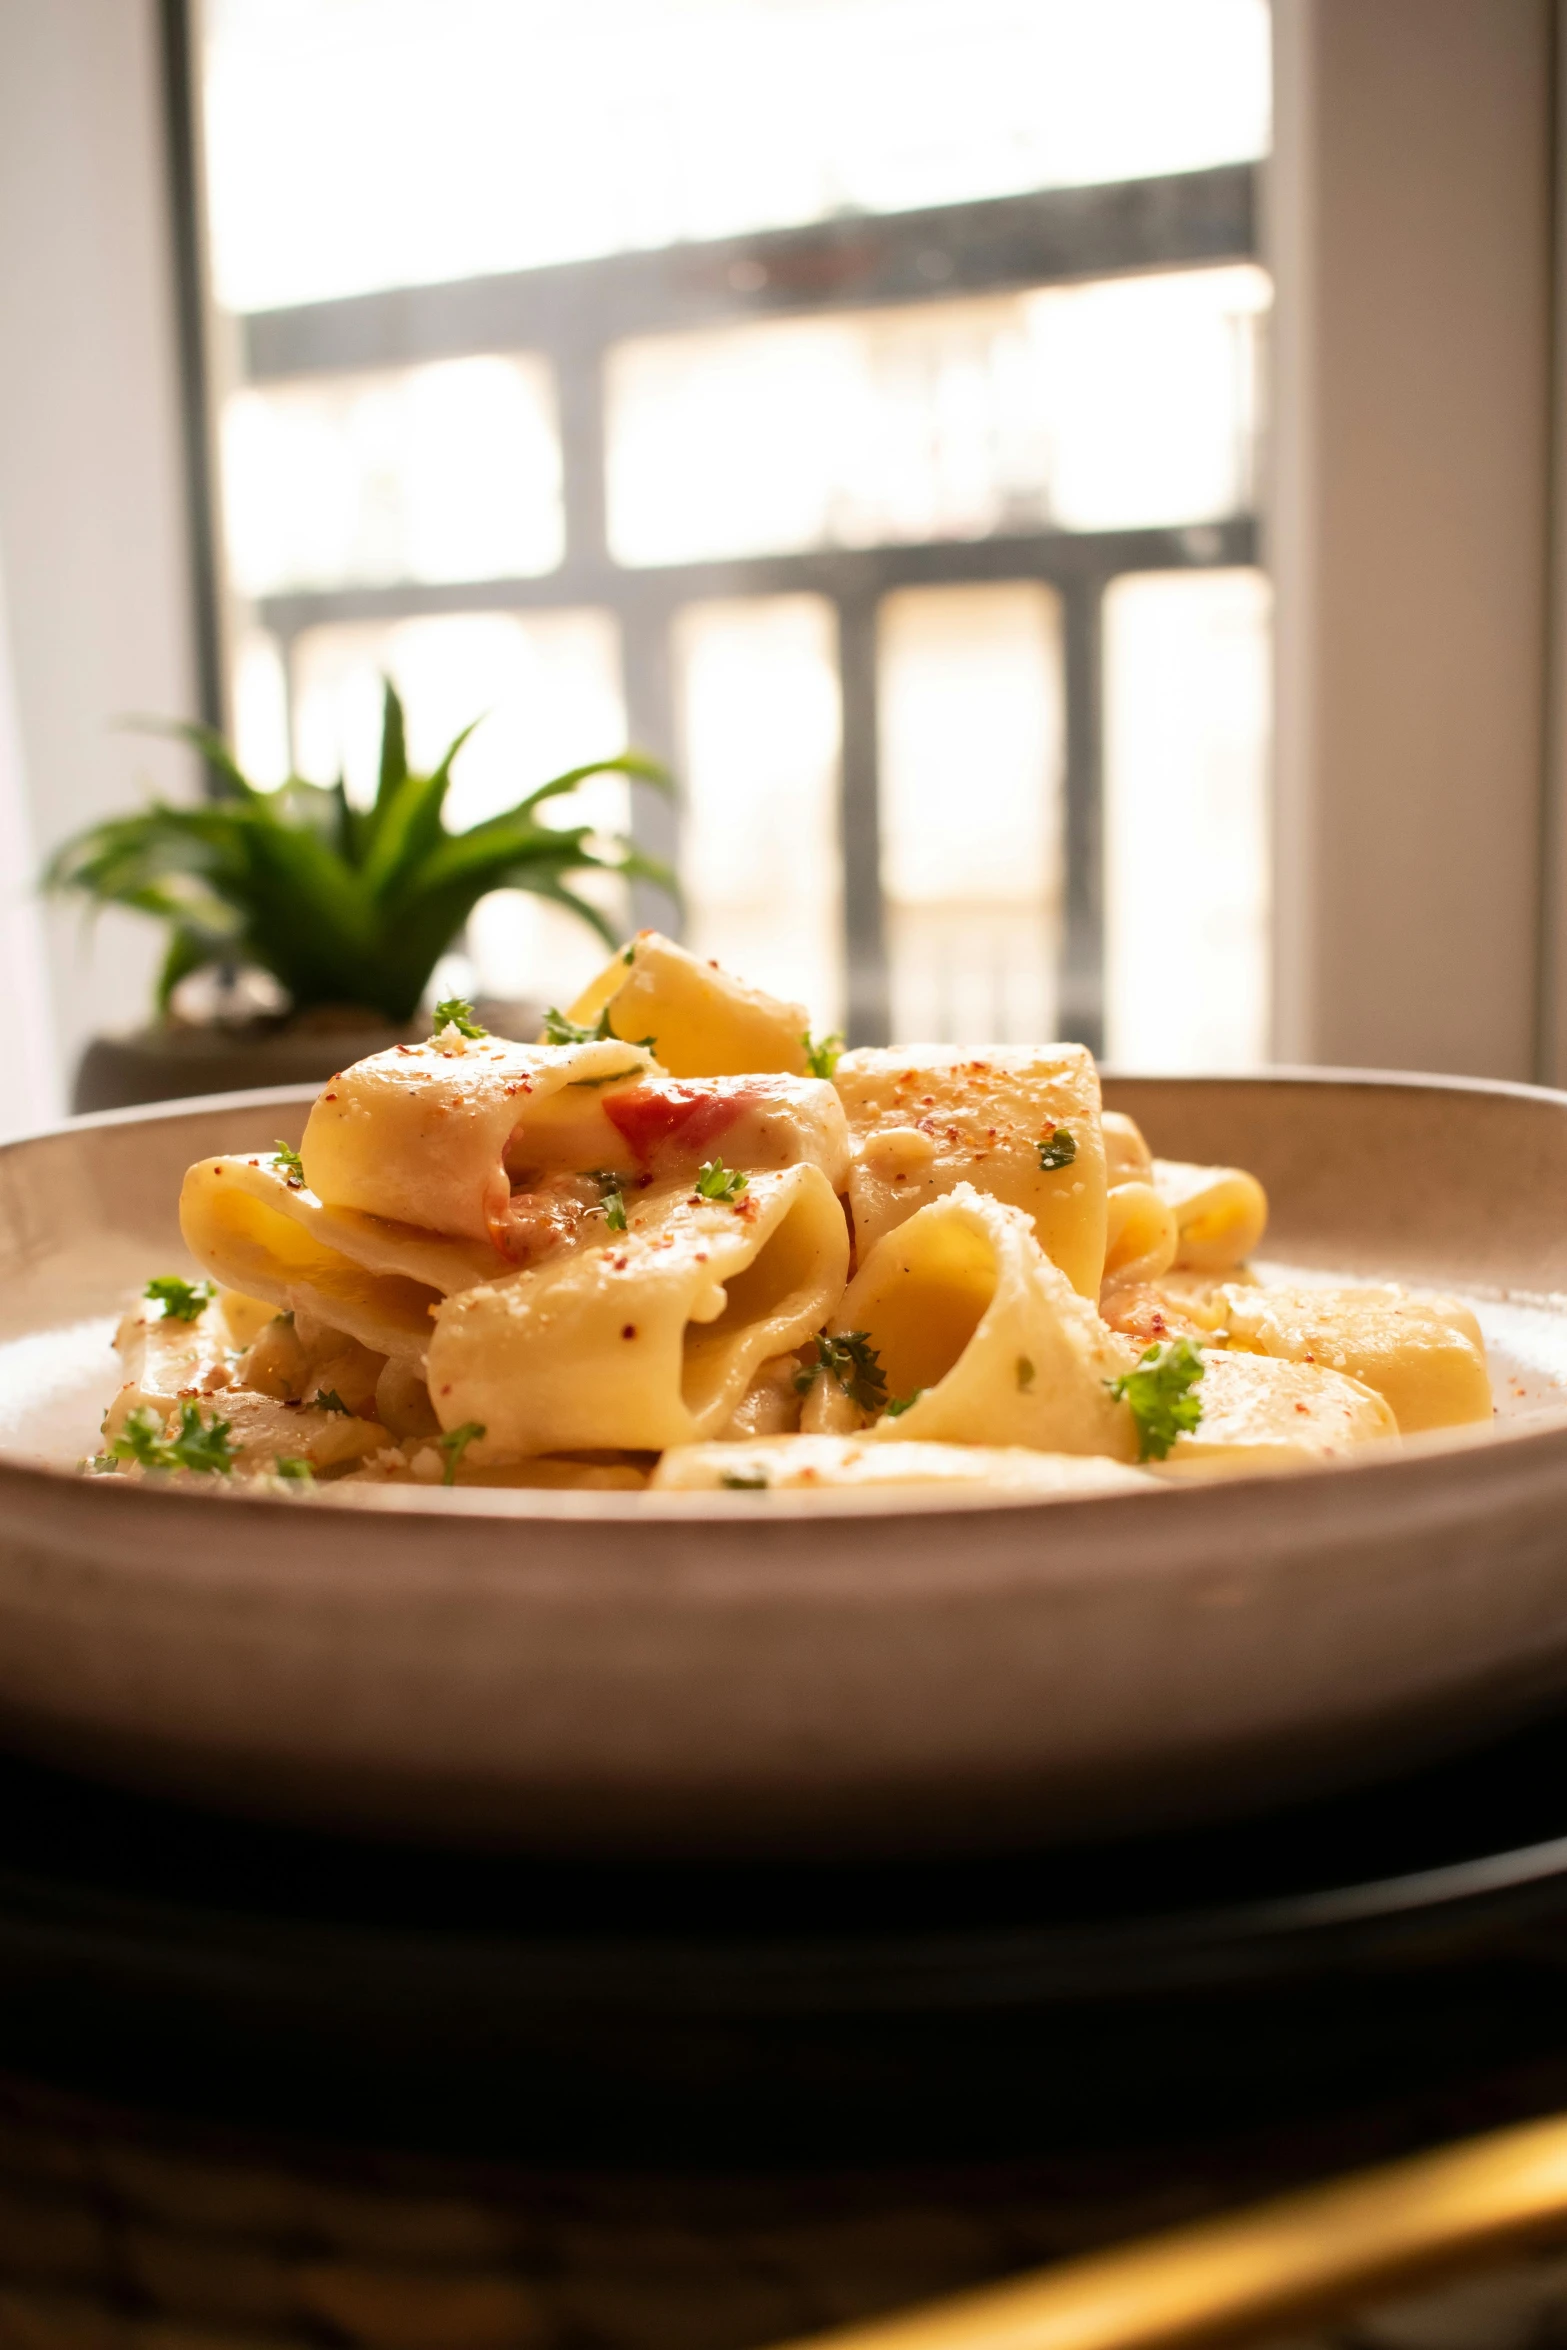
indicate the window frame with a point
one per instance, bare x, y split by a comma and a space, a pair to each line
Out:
573, 315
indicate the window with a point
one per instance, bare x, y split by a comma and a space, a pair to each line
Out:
882, 450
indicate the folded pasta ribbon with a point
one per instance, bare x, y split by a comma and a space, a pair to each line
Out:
704, 1022
974, 1323
649, 1338
1423, 1355
805, 1464
483, 1140
1220, 1213
253, 1230
1019, 1122
1260, 1413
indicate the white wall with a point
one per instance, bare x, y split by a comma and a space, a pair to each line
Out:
1410, 225
92, 515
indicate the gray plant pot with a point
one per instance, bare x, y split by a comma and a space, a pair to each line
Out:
170, 1063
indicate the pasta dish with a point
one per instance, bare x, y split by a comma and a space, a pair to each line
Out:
679, 1245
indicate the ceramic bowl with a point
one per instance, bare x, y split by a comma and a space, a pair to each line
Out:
819, 1673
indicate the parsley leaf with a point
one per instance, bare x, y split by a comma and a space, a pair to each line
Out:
197, 1444
1058, 1149
1159, 1395
455, 1011
743, 1480
328, 1400
559, 1030
612, 1200
182, 1301
295, 1469
455, 1443
1025, 1374
903, 1403
822, 1059
292, 1164
851, 1359
716, 1181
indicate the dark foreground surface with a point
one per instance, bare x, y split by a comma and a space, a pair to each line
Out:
1407, 1941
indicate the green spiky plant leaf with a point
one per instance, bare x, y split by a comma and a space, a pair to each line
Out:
342, 905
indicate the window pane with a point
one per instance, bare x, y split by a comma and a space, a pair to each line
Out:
450, 471
972, 746
1187, 710
1080, 407
362, 143
757, 686
548, 686
258, 681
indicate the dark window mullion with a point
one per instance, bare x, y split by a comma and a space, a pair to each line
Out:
864, 914
1081, 1001
651, 725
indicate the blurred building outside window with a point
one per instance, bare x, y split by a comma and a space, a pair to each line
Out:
882, 450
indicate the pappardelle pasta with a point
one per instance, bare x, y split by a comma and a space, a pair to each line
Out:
679, 1245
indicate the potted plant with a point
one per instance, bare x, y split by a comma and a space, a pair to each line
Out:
345, 910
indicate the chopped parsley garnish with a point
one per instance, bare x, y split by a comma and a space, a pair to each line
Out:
292, 1164
559, 1030
295, 1470
822, 1059
743, 1480
455, 1443
851, 1359
716, 1181
630, 954
328, 1400
903, 1403
1058, 1149
1025, 1374
455, 1011
612, 1200
1159, 1395
197, 1444
182, 1301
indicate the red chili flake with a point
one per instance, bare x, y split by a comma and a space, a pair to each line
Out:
1300, 1407
329, 1097
701, 1256
619, 1264
629, 1329
446, 1391
926, 1100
